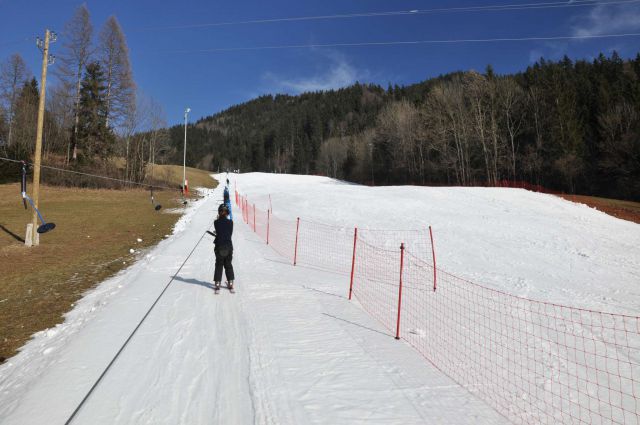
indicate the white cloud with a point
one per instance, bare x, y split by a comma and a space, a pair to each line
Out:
610, 19
599, 20
338, 73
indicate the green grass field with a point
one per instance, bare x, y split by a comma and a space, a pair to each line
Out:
94, 231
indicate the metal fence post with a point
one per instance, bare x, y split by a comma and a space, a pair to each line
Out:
400, 290
295, 252
433, 252
353, 260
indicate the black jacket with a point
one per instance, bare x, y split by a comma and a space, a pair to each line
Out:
224, 230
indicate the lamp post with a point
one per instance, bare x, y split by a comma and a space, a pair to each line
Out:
184, 162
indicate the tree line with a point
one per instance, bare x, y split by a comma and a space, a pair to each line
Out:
93, 110
571, 126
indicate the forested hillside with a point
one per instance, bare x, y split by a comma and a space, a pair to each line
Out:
281, 133
568, 126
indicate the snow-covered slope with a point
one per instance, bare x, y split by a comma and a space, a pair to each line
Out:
530, 244
288, 348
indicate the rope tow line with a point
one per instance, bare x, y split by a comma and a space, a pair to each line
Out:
156, 206
102, 375
91, 175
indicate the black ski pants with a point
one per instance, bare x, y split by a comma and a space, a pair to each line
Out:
224, 255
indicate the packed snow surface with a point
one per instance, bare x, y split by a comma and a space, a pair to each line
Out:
530, 244
288, 347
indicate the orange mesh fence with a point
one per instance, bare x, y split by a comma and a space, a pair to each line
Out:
416, 241
375, 282
533, 362
325, 247
262, 223
282, 237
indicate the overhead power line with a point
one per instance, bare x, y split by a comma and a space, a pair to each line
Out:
483, 8
408, 42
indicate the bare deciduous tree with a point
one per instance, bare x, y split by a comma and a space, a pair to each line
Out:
13, 75
136, 119
333, 153
481, 104
158, 122
25, 118
74, 57
114, 57
446, 105
399, 127
512, 102
58, 120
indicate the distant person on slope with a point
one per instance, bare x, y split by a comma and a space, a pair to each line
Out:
223, 247
227, 201
225, 194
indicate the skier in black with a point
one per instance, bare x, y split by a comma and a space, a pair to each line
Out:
223, 247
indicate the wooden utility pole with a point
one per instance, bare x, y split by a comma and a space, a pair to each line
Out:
46, 61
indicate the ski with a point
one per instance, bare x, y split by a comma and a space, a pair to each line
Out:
216, 289
230, 288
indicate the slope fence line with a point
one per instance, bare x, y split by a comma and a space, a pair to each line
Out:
532, 361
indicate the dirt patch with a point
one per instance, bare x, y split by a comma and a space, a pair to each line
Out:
625, 210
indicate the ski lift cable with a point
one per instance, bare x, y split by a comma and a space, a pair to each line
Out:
113, 360
407, 42
92, 175
412, 12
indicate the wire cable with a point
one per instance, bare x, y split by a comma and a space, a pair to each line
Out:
95, 385
414, 12
92, 175
409, 42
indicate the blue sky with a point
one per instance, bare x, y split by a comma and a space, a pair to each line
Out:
171, 64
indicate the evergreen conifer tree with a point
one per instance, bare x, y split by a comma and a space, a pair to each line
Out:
95, 138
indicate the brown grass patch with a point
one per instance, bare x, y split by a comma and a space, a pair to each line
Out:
172, 174
626, 210
95, 230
